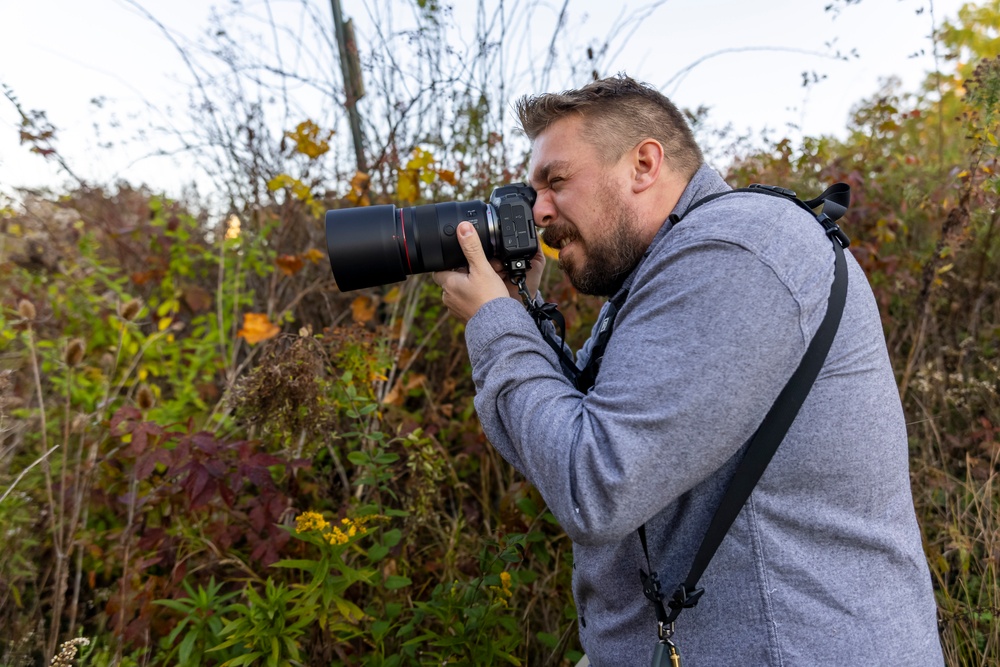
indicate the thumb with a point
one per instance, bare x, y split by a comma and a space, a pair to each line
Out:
472, 246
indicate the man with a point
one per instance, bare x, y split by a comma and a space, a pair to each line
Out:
824, 565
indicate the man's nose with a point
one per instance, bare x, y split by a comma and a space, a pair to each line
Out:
544, 209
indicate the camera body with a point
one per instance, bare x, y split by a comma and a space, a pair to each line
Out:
377, 245
517, 242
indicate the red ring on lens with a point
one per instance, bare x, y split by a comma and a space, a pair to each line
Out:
406, 248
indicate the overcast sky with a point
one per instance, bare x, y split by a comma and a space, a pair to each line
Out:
60, 55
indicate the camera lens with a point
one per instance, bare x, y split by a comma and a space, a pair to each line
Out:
377, 245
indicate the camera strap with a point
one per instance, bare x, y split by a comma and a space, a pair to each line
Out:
764, 442
761, 446
542, 313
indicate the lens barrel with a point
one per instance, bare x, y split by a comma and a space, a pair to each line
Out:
377, 245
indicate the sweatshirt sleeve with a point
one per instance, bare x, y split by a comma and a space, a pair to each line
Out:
700, 350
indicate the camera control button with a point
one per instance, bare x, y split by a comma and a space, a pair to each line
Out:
449, 230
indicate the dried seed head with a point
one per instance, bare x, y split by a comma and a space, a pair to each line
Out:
79, 423
67, 652
74, 352
129, 310
26, 309
144, 398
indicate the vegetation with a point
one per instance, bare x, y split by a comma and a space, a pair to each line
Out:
210, 456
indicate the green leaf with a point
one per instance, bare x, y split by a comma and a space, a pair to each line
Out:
172, 637
377, 553
527, 507
380, 629
391, 538
298, 564
176, 605
393, 582
184, 653
358, 458
245, 659
349, 610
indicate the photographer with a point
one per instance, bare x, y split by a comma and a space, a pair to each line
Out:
823, 565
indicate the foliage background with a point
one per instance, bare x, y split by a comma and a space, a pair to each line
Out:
209, 455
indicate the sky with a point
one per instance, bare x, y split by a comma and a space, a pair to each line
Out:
105, 73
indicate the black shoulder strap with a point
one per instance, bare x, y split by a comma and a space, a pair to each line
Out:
764, 442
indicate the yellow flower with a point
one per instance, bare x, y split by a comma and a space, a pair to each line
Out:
505, 583
308, 521
503, 591
336, 536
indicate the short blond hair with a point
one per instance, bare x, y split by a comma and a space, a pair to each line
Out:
618, 113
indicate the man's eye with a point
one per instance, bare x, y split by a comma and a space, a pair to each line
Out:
555, 181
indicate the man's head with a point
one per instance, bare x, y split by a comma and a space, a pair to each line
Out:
619, 112
609, 162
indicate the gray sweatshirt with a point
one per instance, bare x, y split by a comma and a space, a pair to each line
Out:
824, 564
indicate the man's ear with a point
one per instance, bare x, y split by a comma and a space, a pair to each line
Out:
647, 160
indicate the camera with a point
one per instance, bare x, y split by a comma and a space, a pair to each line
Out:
377, 245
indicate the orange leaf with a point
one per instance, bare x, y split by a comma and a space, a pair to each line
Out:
257, 328
448, 176
363, 309
313, 255
289, 264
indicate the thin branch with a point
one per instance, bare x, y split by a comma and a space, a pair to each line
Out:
683, 72
25, 472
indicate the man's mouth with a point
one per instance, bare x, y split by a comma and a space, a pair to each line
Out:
557, 239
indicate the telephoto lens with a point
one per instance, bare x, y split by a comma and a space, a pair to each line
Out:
377, 245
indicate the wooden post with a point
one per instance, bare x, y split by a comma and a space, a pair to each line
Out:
350, 68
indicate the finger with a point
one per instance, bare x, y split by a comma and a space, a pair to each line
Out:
468, 239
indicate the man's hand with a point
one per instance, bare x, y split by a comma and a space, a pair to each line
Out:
466, 290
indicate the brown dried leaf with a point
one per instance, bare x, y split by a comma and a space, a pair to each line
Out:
289, 264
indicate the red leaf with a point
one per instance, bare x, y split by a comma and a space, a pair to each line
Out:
261, 477
258, 520
197, 480
205, 496
265, 460
125, 413
227, 494
146, 464
277, 505
206, 443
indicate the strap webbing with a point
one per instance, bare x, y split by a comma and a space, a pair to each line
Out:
764, 442
759, 451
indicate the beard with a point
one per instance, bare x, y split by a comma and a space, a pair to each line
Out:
609, 258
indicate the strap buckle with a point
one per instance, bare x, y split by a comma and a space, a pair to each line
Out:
833, 230
651, 587
784, 192
682, 599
